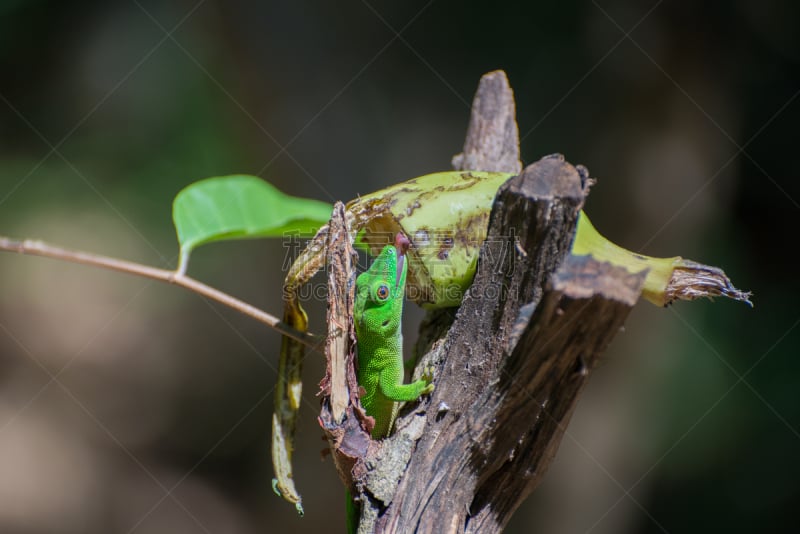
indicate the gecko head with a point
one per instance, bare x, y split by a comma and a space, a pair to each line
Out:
380, 289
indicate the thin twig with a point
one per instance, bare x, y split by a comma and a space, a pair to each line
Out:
39, 248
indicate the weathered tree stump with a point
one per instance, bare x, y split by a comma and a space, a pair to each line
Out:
510, 363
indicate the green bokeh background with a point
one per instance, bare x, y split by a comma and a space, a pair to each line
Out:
158, 417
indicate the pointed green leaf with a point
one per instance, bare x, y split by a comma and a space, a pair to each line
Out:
240, 207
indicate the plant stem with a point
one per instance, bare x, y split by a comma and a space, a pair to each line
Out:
39, 248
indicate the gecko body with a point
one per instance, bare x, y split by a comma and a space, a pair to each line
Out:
377, 313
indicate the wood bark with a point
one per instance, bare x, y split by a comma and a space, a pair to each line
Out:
509, 364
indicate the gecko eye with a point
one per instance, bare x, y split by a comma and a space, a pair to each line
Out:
383, 292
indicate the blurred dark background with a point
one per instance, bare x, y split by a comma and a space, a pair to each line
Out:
127, 406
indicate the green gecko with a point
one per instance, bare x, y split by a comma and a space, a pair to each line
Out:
377, 312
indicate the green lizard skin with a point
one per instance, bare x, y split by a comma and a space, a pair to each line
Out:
377, 311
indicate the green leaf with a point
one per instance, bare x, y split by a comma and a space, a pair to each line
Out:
240, 207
